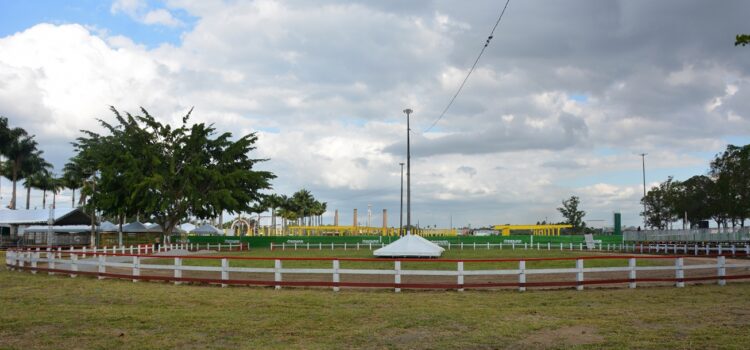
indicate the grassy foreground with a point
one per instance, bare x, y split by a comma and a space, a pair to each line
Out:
39, 311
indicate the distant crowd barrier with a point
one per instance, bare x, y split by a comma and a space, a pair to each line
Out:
396, 274
652, 248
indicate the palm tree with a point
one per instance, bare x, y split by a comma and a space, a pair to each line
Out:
274, 202
20, 149
36, 172
72, 178
56, 185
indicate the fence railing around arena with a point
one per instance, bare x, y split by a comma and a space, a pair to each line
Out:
674, 248
141, 267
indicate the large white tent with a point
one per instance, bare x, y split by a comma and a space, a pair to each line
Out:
410, 246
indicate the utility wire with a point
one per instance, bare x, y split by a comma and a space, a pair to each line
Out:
486, 43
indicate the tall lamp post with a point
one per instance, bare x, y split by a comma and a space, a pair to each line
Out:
401, 211
408, 172
643, 162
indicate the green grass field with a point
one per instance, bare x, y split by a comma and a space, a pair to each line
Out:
40, 311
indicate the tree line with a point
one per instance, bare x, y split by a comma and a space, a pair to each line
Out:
722, 195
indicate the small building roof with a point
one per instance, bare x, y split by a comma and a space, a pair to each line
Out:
187, 227
134, 226
410, 246
61, 216
58, 229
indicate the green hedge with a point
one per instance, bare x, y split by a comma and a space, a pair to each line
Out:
265, 242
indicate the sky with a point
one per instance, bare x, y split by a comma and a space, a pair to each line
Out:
565, 97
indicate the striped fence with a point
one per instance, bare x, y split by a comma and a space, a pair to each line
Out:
139, 267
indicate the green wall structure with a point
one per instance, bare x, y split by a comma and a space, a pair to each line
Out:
265, 242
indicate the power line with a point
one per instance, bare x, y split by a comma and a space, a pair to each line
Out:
486, 43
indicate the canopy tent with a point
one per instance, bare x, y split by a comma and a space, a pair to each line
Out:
107, 227
187, 227
135, 227
410, 246
207, 229
60, 216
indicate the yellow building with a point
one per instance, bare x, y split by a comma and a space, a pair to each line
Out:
536, 230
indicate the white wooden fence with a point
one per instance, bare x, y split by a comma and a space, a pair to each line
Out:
685, 249
134, 265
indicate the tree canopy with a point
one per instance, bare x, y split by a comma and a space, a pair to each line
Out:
722, 195
742, 39
169, 173
572, 215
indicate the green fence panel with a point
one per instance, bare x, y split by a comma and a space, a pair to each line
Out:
265, 241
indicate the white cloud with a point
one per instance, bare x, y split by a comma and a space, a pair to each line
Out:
324, 84
139, 11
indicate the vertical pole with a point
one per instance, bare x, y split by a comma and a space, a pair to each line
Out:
679, 273
408, 172
51, 262
722, 271
136, 268
631, 274
177, 270
397, 276
336, 276
224, 271
460, 279
643, 160
33, 258
277, 273
102, 266
522, 276
579, 275
401, 209
73, 265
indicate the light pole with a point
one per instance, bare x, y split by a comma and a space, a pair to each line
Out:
401, 211
643, 162
408, 172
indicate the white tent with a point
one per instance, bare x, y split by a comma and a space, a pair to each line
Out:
410, 246
206, 229
187, 227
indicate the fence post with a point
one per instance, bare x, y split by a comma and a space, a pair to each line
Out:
397, 276
224, 271
460, 276
525, 246
136, 268
102, 266
177, 270
73, 265
747, 249
720, 263
632, 272
719, 248
51, 262
331, 245
336, 276
695, 248
679, 273
579, 275
734, 250
33, 262
277, 273
522, 276
462, 245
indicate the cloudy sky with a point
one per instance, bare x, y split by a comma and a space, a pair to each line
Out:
564, 98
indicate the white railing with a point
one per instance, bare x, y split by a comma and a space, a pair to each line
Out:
133, 267
140, 248
462, 246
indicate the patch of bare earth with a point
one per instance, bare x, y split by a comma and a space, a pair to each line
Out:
561, 337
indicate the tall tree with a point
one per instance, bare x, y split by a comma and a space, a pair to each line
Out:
693, 199
72, 178
572, 215
172, 173
659, 205
731, 169
742, 39
19, 149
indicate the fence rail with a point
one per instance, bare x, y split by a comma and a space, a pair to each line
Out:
139, 267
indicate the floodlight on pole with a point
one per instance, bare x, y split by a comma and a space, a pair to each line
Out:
401, 210
643, 162
408, 172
